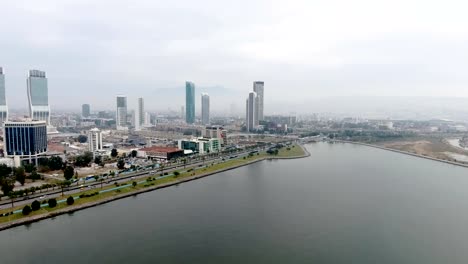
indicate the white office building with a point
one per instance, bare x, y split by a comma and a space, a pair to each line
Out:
94, 140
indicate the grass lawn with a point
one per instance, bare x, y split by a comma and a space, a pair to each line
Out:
294, 151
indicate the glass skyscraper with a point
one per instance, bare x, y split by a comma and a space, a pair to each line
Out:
121, 114
189, 102
3, 104
258, 87
205, 98
85, 110
38, 96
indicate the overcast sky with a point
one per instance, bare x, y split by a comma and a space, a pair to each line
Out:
302, 49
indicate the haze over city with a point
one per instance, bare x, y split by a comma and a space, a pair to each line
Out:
304, 51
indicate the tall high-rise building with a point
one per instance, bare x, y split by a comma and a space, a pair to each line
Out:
94, 140
121, 114
205, 110
147, 119
141, 112
251, 120
3, 103
85, 110
182, 112
258, 87
189, 102
38, 96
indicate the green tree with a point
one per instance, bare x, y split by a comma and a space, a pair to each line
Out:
70, 200
134, 184
36, 205
35, 176
52, 202
98, 160
55, 163
19, 175
82, 138
64, 185
7, 184
68, 173
4, 170
134, 153
84, 160
114, 153
26, 210
121, 164
29, 167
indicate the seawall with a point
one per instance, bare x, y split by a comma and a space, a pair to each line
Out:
404, 152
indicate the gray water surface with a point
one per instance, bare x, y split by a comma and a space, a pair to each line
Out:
344, 204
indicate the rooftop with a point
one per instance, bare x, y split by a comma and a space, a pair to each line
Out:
160, 149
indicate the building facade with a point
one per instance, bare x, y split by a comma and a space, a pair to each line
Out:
189, 102
141, 112
258, 87
251, 112
3, 102
121, 113
85, 110
216, 132
38, 96
160, 153
205, 100
25, 140
94, 140
201, 145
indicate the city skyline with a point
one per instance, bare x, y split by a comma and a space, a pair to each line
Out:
341, 54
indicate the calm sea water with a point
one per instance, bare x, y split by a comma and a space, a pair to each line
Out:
344, 204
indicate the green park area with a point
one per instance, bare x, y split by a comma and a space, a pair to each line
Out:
101, 192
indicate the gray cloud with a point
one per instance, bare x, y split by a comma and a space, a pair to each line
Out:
93, 50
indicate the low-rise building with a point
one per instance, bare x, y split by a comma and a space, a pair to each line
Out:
25, 139
161, 153
201, 145
215, 132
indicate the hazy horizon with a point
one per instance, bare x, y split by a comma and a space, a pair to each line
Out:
306, 53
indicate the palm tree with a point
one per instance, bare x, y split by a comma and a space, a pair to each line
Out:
101, 180
12, 198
